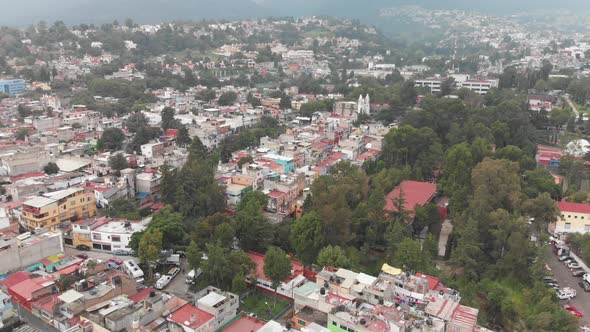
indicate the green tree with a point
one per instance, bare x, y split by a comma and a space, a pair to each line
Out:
170, 224
118, 162
253, 229
136, 121
183, 139
409, 255
51, 168
285, 102
277, 267
149, 249
333, 256
307, 237
21, 134
168, 120
168, 184
193, 255
244, 160
112, 139
227, 98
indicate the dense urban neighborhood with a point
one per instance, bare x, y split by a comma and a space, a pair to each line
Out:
307, 174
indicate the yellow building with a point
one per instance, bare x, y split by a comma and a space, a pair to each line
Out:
575, 218
50, 209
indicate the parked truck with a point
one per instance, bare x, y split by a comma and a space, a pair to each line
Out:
163, 282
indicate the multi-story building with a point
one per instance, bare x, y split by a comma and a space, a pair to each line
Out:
17, 252
575, 218
13, 87
23, 160
479, 86
433, 83
50, 209
222, 305
105, 233
148, 183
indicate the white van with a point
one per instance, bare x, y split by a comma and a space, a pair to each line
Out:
192, 275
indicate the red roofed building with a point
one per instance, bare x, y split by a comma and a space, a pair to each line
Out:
264, 283
192, 319
243, 323
414, 194
575, 218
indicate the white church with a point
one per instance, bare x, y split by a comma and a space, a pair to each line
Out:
364, 105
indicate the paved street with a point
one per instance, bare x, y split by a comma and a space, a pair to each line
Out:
572, 106
99, 255
565, 279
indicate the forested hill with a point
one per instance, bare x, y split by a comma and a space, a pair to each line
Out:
25, 12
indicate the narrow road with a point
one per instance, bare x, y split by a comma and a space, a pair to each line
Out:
565, 279
572, 106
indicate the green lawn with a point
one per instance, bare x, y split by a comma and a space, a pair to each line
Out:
255, 304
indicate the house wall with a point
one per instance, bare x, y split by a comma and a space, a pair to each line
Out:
80, 205
571, 222
15, 258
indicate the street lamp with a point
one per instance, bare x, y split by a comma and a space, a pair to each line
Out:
269, 310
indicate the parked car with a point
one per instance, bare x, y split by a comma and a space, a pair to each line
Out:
578, 273
115, 261
549, 279
568, 259
82, 256
573, 265
584, 285
562, 258
573, 310
83, 247
553, 285
566, 293
120, 252
586, 277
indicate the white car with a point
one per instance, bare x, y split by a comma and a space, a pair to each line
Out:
586, 277
566, 293
573, 265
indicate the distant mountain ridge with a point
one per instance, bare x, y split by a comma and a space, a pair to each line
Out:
25, 12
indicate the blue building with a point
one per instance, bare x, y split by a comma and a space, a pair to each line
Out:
12, 87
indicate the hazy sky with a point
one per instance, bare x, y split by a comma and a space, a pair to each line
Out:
24, 12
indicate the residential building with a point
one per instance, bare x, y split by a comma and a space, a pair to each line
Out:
412, 193
479, 86
191, 319
575, 218
20, 251
14, 87
148, 182
50, 209
345, 108
23, 159
433, 83
287, 287
222, 305
105, 233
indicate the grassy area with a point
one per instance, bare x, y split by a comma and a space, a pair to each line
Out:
257, 304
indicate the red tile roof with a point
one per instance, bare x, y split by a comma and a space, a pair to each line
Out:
258, 259
26, 288
276, 194
47, 302
190, 316
27, 176
141, 295
414, 193
15, 278
573, 207
244, 324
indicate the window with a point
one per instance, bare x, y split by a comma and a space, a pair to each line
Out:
586, 228
568, 225
301, 322
116, 238
85, 207
96, 236
575, 217
72, 203
96, 246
